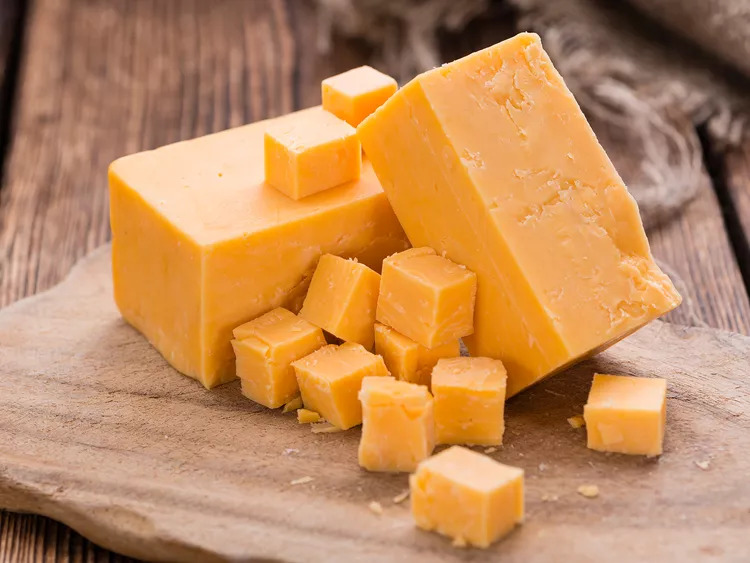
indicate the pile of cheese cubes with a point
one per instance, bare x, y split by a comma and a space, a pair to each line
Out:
394, 363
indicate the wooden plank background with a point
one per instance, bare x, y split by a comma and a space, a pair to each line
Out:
97, 79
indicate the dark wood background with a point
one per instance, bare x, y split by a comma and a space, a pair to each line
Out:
83, 82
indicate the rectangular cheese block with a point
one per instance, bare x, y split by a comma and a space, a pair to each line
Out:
427, 297
469, 401
200, 244
356, 93
490, 160
265, 349
407, 360
626, 414
330, 378
342, 298
467, 496
398, 427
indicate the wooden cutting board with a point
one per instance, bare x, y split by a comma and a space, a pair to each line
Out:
96, 430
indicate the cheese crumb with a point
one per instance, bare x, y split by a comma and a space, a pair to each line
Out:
577, 421
290, 451
401, 497
376, 507
324, 427
490, 450
293, 405
543, 467
301, 480
459, 542
704, 465
305, 416
549, 498
588, 491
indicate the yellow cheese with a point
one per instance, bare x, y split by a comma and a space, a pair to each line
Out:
200, 244
330, 378
467, 496
469, 401
342, 298
265, 349
626, 414
490, 160
407, 360
398, 428
426, 297
311, 153
306, 416
356, 93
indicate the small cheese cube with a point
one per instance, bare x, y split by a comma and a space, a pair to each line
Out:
469, 401
329, 380
467, 496
398, 428
626, 414
427, 297
265, 349
356, 93
311, 153
342, 298
407, 360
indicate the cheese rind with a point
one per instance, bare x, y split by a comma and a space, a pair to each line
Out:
342, 298
469, 401
398, 428
265, 349
467, 496
626, 414
356, 93
407, 360
314, 152
427, 297
490, 160
200, 244
329, 380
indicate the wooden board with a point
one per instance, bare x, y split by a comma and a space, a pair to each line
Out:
98, 432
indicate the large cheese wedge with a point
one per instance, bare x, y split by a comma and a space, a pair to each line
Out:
200, 244
490, 160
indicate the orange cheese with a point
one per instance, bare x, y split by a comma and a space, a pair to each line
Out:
407, 360
200, 244
310, 153
330, 378
398, 428
426, 297
342, 298
469, 401
490, 160
626, 414
356, 93
467, 496
265, 349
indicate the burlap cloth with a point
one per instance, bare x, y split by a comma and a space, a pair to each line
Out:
653, 71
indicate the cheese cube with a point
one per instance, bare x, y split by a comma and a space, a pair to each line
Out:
626, 414
398, 428
427, 297
330, 378
467, 496
311, 153
356, 93
200, 244
342, 298
407, 360
490, 160
469, 401
265, 349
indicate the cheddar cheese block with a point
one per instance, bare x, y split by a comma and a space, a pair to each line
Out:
626, 414
200, 244
490, 160
356, 93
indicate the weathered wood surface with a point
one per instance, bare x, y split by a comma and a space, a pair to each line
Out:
101, 78
99, 432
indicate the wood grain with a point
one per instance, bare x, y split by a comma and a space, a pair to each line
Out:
736, 175
99, 432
